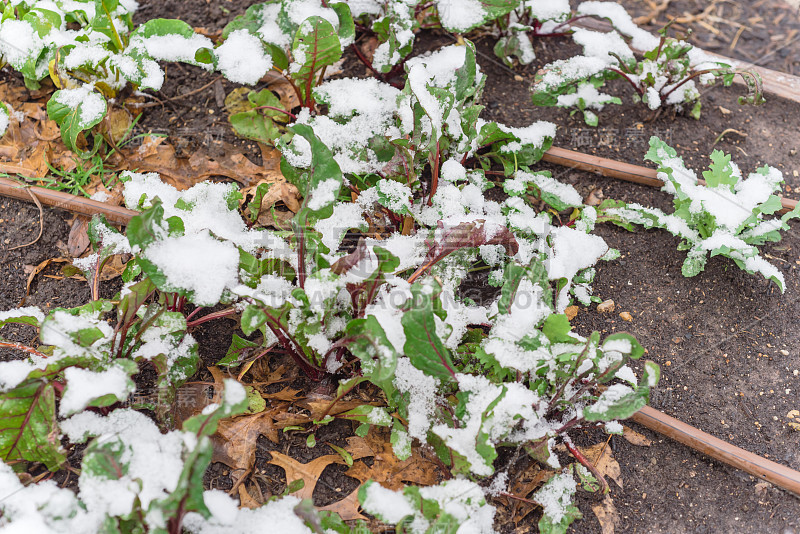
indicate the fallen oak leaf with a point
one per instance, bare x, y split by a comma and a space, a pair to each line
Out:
391, 472
347, 508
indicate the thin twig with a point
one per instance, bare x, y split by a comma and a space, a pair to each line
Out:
176, 97
41, 221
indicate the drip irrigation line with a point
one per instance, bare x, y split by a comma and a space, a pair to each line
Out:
618, 169
720, 450
66, 201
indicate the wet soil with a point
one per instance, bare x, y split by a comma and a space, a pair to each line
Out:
726, 341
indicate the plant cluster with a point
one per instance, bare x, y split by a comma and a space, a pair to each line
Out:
664, 76
724, 216
403, 169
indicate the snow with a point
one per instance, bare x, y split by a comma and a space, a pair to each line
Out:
533, 134
463, 500
324, 194
359, 110
3, 119
566, 193
574, 68
58, 329
198, 263
572, 252
452, 171
173, 47
421, 390
18, 42
460, 15
556, 496
270, 31
607, 399
154, 461
621, 20
27, 311
592, 98
92, 105
514, 404
602, 45
390, 506
209, 208
41, 508
242, 59
549, 10
84, 386
228, 518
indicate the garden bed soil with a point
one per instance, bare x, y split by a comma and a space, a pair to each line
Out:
727, 342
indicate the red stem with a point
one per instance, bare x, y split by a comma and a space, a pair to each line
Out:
210, 317
573, 450
273, 108
23, 348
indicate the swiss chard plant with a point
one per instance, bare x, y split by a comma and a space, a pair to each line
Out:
726, 216
666, 75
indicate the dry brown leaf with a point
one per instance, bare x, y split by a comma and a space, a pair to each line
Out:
288, 394
635, 438
278, 219
607, 515
279, 190
248, 501
116, 123
595, 197
156, 155
78, 240
236, 439
237, 101
523, 485
112, 268
286, 93
30, 144
347, 508
190, 399
33, 271
571, 312
602, 457
311, 472
391, 472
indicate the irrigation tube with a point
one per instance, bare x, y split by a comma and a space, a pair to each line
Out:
58, 199
780, 475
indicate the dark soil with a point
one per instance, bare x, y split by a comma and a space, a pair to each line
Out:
726, 341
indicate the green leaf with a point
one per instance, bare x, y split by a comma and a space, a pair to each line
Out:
254, 125
316, 45
347, 28
612, 405
556, 328
720, 171
238, 352
83, 115
423, 347
370, 345
323, 178
28, 428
